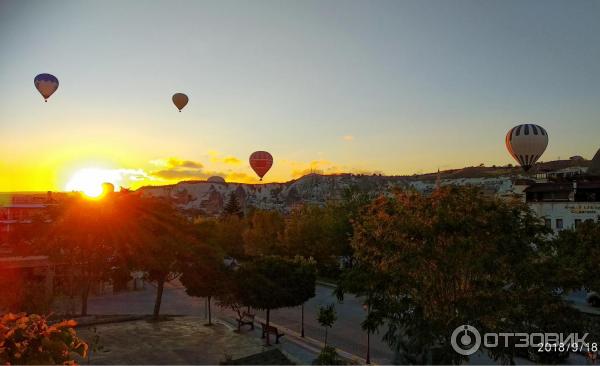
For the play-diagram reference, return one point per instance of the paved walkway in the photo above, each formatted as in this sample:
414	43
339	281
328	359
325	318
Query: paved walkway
180	340
346	333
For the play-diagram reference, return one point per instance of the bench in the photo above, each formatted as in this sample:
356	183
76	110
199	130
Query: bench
272	330
247	319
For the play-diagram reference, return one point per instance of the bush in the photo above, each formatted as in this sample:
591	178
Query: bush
28	339
328	356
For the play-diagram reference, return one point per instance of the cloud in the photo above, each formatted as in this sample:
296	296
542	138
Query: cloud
186	164
175	169
177	163
215	157
348	138
178	169
231	160
175	174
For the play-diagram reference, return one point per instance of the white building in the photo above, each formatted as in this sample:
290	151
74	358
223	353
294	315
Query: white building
564	205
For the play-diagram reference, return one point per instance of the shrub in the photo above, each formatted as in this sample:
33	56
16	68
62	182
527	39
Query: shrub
29	339
328	356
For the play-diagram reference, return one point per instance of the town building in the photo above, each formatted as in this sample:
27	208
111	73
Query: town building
565	200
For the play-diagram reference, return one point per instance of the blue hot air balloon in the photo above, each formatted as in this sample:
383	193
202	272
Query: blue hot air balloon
46	84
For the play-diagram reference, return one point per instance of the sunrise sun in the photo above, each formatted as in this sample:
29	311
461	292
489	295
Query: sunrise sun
89	181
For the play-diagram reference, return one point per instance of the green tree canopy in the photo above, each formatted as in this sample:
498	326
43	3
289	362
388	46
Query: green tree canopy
576	255
263	234
270	282
233	207
452	258
203	275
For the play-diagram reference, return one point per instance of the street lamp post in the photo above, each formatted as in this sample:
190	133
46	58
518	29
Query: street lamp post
302	331
367	308
206	308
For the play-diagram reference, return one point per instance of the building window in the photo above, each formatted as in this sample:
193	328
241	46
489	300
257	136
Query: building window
559	224
577	222
548	223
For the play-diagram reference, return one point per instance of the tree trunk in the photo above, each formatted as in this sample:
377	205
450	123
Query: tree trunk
325	336
209	314
159	292
267	330
368	360
302	332
85	293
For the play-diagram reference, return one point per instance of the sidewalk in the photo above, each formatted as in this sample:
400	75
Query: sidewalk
180	340
176	302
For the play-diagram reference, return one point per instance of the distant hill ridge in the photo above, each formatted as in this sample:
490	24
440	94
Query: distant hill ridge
209	197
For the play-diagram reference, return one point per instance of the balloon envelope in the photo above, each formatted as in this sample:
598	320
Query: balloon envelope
46	84
526	143
180	100
261	162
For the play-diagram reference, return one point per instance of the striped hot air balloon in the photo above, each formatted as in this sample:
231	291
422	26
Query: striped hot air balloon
261	162
526	143
46	84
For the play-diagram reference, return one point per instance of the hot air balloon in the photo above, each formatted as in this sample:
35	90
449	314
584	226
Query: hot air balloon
526	143
261	162
46	84
180	100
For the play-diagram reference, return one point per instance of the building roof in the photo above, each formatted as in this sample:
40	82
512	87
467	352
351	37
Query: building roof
550	187
24	205
561	187
594	168
24	262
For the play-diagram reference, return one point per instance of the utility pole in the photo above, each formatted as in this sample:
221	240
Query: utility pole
302	332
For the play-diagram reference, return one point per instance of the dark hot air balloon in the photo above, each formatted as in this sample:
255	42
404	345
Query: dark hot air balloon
261	162
46	84
180	100
526	143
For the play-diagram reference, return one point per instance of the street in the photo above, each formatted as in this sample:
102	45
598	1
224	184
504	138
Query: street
346	333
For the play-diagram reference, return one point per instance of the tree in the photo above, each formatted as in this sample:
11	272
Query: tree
576	255
233	206
324	233
327	316
165	239
304	284
453	258
264	233
203	276
328	355
85	235
268	283
368	284
22	292
229	235
306	234
230	294
30	340
225	233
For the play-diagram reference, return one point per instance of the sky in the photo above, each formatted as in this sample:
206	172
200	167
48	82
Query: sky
392	87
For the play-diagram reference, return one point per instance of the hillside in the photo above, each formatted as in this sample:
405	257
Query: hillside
209	197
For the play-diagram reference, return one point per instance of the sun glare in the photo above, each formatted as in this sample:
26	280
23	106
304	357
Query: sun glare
89	181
